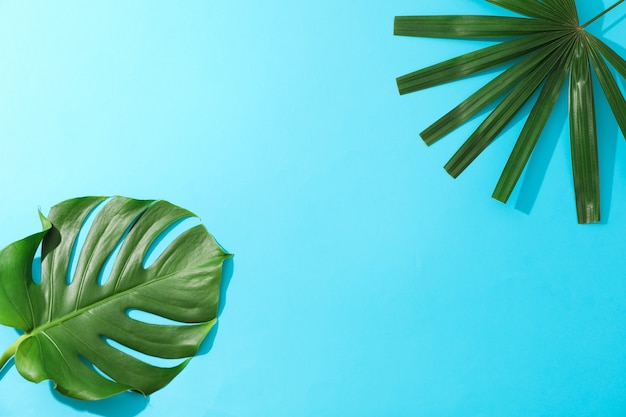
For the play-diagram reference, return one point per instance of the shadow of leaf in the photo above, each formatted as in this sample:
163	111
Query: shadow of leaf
127	404
7	366
539	161
227	273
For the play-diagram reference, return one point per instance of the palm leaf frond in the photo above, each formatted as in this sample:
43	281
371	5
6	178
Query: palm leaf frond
487	94
611	90
565	10
468	27
533	9
501	116
583	137
473	62
528	138
544	46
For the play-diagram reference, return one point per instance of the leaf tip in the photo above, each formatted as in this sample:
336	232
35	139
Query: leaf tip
501	198
45	223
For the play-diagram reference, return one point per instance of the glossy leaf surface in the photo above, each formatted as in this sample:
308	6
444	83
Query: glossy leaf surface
74	317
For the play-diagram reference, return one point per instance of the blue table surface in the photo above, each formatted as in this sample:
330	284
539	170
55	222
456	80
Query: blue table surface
365	281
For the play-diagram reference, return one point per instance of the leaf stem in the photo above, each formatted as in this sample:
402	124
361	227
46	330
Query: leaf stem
602	14
8	354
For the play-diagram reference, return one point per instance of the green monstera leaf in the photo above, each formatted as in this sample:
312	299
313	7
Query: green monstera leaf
68	321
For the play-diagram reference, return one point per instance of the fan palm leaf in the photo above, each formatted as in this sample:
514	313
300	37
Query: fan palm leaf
547	48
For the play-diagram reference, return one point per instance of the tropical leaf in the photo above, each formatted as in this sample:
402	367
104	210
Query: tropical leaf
543	47
71	322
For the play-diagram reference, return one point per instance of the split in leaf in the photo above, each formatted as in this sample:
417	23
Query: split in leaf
69	317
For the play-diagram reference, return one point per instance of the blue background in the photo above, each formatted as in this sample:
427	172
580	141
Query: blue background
366	281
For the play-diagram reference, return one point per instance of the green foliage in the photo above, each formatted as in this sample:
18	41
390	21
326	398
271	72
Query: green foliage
66	321
547	46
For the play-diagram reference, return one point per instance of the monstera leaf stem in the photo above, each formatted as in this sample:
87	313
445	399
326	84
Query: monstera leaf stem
602	14
8	354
